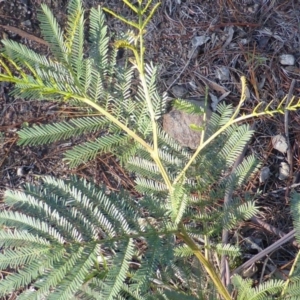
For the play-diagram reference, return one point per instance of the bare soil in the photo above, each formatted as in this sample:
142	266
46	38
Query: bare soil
243	37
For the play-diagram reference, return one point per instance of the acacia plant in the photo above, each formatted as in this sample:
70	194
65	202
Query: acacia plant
69	239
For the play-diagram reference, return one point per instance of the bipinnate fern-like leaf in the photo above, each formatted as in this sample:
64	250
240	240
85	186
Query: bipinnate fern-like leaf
73	239
66	239
21	54
188	107
71	230
99	41
49	133
230	250
96	76
75	37
295	209
53	34
266	290
118	273
292	288
178	202
89	150
237	137
242	173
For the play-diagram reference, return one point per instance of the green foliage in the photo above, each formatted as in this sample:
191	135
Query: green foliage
188	107
276	289
69	239
291	288
264	291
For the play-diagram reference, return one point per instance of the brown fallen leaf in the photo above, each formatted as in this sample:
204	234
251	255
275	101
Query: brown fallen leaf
24	34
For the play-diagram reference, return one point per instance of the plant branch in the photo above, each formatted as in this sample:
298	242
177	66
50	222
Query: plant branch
232	121
153	152
290	275
138	52
206	263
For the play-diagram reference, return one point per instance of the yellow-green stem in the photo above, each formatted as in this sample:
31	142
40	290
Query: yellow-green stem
223	128
242	99
152	152
115	121
140	65
291	273
206	263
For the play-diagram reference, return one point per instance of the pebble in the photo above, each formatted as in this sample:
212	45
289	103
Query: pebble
264	174
279	143
287	59
284	171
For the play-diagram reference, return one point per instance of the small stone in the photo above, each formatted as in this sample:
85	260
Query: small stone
264	174
287	59
284	171
279	143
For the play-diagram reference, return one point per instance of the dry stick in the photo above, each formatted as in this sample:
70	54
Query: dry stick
271	229
286	131
265	252
25	34
286	123
225	273
281	189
